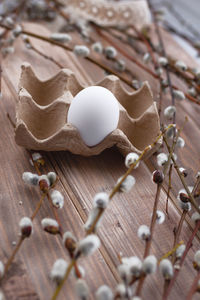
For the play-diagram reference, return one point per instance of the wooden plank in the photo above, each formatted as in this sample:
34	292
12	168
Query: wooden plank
80	178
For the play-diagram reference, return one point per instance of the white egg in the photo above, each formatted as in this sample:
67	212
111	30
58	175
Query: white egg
94	111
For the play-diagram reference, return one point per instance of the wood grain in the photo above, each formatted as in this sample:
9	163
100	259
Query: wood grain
80	179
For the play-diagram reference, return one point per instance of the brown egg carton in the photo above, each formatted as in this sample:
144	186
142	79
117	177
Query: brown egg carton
41	115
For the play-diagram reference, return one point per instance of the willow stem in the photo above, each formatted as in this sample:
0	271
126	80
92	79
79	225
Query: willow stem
193	288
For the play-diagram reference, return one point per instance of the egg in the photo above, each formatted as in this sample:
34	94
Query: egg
94	111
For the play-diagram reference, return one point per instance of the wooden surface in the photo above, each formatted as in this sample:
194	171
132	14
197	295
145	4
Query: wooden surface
80	179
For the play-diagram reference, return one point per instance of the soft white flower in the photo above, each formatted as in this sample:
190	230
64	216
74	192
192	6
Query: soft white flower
92	216
183	171
36	156
195	217
197	258
57	198
2	268
101	200
52	177
60	37
110	52
17	30
81	50
166	268
134	264
192	92
121	290
50	225
180	250
160	217
97	47
88	245
162	158
147	58
185	205
180	142
26	226
181	65
163	61
44	179
150	264
130	159
30	178
82	289
144	232
104	292
127	184
124	272
179	95
58	270
169	112
120	65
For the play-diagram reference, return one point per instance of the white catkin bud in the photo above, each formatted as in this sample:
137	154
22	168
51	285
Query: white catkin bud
97	47
163	61
9	21
60	37
195	217
180	142
160	217
198	174
81	50
159	71
130	159
101	200
104	292
36	156
124	272
150	264
197	258
143	232
180	250
92	216
68	235
110	52
2	268
120	65
186	206
17	30
136	298
44	178
136	84
50	225
169	112
57	199
26	226
146	58
121	290
52	177
135	266
179	95
181	65
192	92
166	268
8	50
183	171
170	132
127	184
58	270
162	158
82	289
30	178
81	270
88	245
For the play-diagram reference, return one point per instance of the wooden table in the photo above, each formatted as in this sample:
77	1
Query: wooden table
80	178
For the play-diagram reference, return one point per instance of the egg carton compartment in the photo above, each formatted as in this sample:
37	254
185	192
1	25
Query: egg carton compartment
41	115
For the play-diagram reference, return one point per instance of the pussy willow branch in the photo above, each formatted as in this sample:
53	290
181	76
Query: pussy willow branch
193	287
21	239
113	192
176	272
192	200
